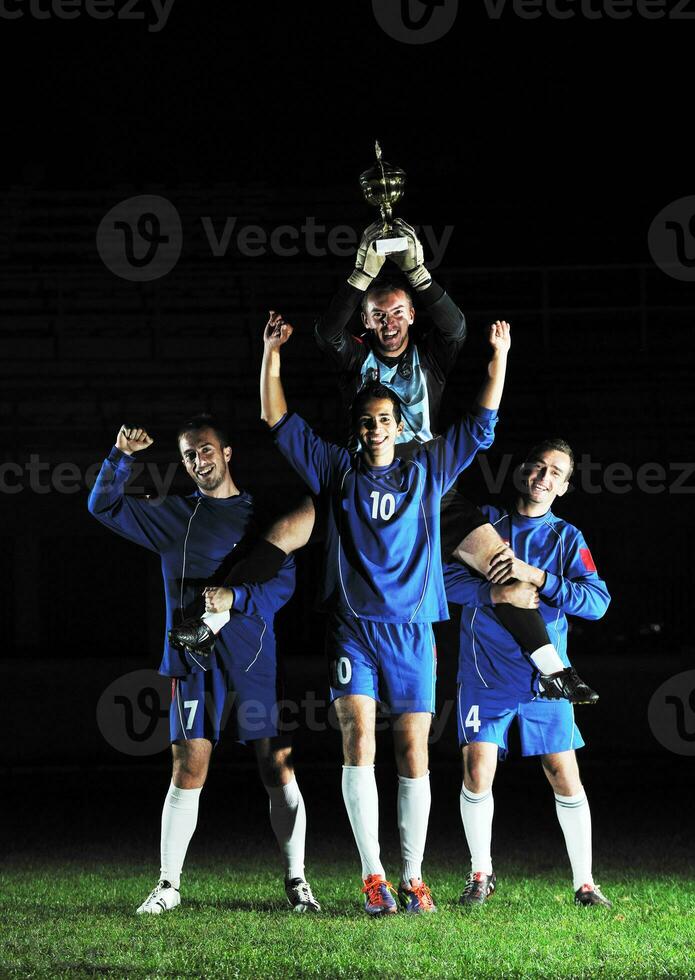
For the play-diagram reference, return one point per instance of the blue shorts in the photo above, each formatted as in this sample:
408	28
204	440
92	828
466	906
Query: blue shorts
203	704
394	663
544	726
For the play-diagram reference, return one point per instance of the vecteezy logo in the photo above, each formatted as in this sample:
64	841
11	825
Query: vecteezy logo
140	239
671	713
415	21
672	239
133	713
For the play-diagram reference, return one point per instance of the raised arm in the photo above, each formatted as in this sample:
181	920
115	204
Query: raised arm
456	448
490	394
331	330
273	403
443	342
141	521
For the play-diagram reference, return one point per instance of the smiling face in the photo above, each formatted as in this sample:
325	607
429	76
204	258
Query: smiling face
205	459
545	477
390	316
377	430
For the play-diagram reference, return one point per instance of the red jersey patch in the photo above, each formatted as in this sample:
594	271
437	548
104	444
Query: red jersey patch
587	560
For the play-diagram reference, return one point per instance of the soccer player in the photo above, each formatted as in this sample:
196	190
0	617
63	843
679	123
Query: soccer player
195	536
416	369
383	586
553	569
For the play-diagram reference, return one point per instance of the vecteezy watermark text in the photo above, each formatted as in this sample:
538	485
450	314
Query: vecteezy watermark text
593	477
310	238
671	713
133	714
424	21
671	239
125	10
592	9
140	239
41	476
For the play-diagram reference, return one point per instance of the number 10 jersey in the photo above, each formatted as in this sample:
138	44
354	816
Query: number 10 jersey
382	547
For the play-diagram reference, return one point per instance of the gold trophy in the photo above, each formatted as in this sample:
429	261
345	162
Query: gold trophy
383	185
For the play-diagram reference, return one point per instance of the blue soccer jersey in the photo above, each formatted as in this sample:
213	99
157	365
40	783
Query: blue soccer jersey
489	657
194	537
382	550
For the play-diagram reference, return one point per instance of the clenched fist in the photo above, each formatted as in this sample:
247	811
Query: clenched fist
131	440
277	331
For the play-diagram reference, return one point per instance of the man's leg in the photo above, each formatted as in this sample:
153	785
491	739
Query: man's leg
356	715
191	759
287	817
477	804
483	720
410	733
574	816
351	646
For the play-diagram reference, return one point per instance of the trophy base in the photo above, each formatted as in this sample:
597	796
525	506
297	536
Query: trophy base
384	246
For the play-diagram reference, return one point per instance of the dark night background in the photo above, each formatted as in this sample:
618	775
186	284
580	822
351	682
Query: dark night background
549	146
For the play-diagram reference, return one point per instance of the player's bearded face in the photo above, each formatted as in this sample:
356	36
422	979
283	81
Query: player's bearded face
547	477
204	458
390	315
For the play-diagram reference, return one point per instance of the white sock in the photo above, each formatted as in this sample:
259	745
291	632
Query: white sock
362	805
547	659
216	620
414	800
575	819
179	819
477	810
288	820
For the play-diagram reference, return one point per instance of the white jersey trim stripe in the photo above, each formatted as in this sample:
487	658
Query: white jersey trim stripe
340	546
178	705
475	653
429	548
260	647
562	566
460	713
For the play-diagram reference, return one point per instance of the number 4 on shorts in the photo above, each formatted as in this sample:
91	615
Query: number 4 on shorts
473	718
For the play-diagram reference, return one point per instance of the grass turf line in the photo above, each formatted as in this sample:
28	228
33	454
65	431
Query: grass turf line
66	919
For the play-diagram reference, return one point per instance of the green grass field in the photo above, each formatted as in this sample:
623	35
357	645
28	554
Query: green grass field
67	919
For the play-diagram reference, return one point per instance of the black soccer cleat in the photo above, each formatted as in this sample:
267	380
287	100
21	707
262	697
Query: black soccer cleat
300	896
478	888
193	635
566	684
591	895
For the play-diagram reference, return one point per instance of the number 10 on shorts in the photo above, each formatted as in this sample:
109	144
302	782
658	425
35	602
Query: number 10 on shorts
343	671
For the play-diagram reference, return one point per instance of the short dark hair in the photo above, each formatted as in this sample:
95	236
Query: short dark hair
557	444
374	389
390	283
203	421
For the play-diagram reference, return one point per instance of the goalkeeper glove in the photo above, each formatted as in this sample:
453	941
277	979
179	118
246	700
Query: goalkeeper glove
368	263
